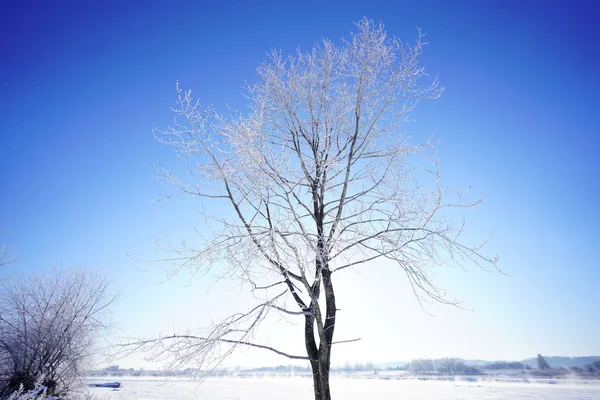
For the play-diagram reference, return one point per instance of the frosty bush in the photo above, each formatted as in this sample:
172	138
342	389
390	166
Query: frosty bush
48	327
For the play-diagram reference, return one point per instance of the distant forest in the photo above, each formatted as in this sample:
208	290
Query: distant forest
538	366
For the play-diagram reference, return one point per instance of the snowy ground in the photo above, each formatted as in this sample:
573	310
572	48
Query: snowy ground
344	388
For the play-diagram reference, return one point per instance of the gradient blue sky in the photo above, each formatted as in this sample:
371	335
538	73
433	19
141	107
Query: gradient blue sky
82	83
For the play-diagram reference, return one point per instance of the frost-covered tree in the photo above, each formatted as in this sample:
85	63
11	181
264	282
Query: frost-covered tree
320	179
48	325
542	363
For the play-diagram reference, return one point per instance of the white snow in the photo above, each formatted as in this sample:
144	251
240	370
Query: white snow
343	388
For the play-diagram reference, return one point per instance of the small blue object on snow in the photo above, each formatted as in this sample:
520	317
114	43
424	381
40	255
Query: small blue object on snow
114	385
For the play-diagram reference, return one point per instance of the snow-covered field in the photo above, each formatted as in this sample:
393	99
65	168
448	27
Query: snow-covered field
291	388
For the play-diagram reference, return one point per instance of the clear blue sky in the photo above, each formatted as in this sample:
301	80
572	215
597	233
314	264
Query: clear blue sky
82	83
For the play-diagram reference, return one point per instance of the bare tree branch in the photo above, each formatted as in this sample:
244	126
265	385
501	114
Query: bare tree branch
177	338
5	257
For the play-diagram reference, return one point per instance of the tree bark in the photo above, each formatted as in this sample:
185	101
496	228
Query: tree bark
320	370
321	357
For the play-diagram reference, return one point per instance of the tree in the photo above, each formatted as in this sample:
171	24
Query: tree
592	367
48	327
5	258
422	366
542	363
320	179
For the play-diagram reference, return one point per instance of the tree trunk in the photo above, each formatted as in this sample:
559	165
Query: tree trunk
324	375
320	361
321	356
320	370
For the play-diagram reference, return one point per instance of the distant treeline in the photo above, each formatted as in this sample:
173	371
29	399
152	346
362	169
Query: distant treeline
445	366
442	366
454	366
501	365
593	368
